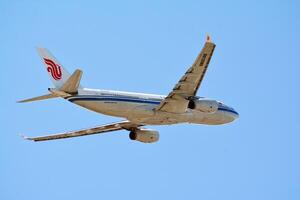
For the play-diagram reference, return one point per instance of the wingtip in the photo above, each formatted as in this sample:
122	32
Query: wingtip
25	137
20	101
208	38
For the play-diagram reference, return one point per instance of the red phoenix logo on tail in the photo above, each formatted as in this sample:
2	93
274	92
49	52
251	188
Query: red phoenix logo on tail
54	69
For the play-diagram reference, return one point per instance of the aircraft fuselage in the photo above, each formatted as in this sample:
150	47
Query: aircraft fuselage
139	108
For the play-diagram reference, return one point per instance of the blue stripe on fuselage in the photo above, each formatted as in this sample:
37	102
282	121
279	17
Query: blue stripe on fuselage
114	99
228	110
130	99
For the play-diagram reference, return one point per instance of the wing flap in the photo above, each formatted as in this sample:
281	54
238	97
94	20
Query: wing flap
90	131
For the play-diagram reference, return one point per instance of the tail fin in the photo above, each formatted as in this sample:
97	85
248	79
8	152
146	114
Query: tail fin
68	88
65	84
58	74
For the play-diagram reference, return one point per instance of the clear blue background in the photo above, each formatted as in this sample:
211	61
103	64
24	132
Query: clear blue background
146	47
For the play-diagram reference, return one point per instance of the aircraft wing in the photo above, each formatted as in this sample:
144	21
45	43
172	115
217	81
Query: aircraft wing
127	125
178	99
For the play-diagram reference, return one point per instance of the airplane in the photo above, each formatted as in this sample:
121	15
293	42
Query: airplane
181	105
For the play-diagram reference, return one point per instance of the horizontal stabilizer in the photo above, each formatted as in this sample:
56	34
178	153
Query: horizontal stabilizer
43	97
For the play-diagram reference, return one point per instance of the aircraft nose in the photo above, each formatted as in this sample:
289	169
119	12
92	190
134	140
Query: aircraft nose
236	114
231	115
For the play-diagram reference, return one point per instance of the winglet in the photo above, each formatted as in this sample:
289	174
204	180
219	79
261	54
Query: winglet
27	138
24	137
208	38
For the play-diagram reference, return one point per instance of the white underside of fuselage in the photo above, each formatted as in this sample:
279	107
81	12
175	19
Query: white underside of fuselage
139	108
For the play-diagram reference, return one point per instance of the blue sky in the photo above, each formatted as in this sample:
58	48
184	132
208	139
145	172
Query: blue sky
145	47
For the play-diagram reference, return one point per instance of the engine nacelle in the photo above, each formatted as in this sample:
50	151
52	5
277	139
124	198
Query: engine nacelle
204	105
144	135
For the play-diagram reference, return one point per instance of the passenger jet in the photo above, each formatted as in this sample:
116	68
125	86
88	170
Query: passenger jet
181	105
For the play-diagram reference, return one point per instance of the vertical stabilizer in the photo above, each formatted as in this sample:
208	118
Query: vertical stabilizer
57	73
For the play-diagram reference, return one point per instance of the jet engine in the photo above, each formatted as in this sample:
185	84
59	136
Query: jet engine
203	105
144	135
